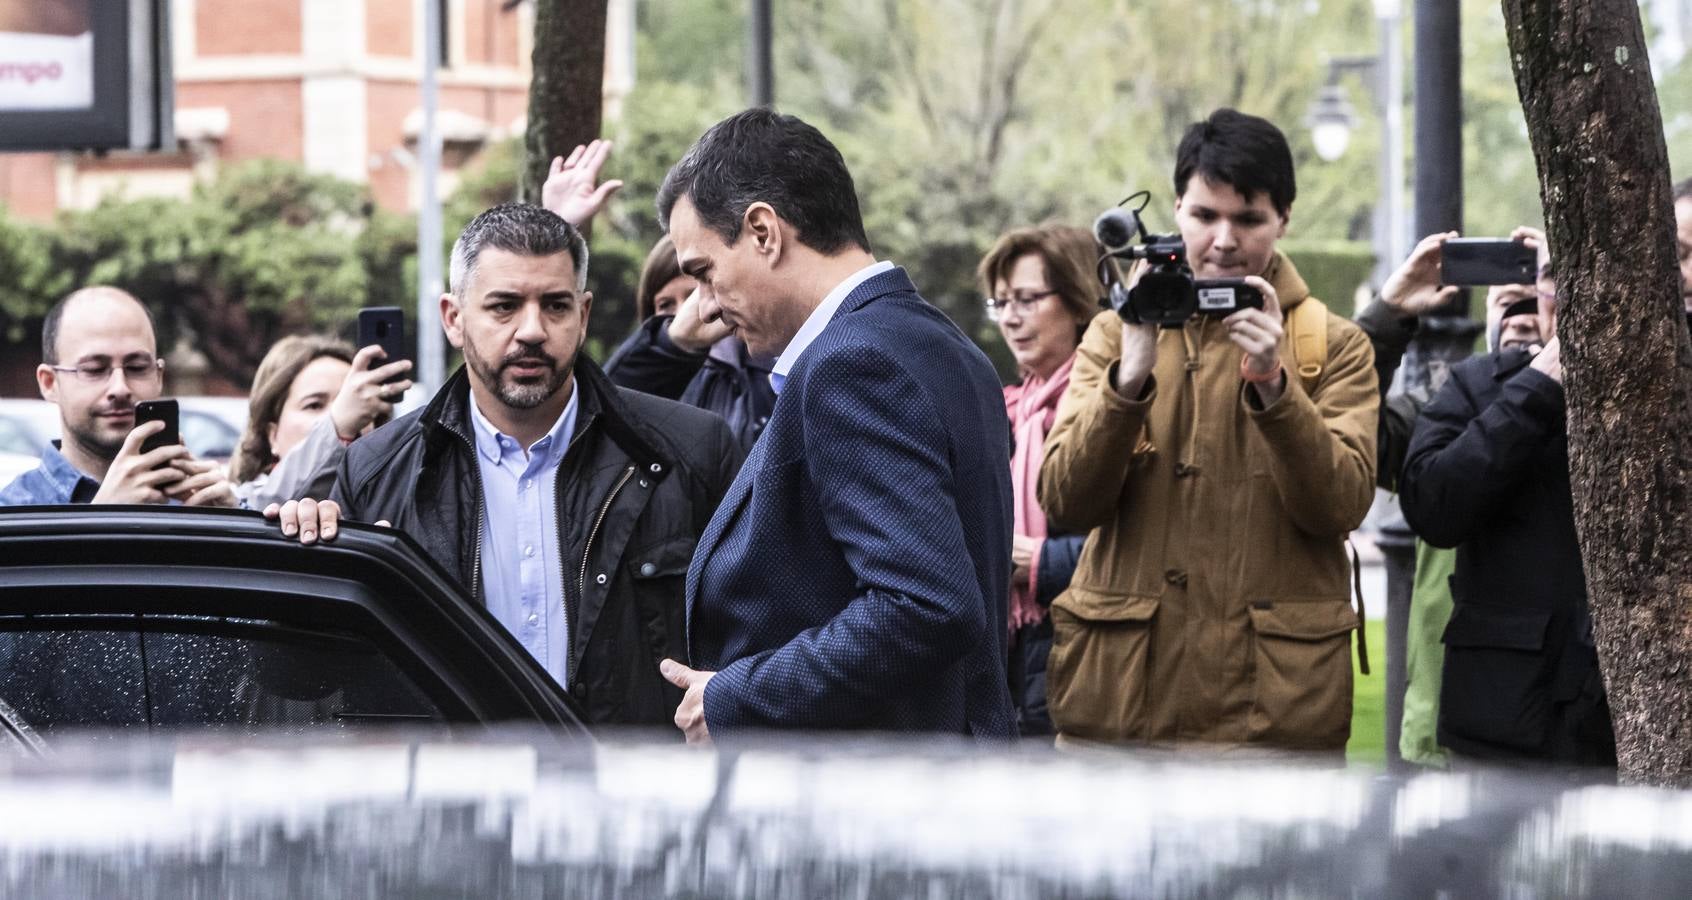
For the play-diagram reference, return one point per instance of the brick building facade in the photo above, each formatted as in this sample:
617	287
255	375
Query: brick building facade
333	84
330	83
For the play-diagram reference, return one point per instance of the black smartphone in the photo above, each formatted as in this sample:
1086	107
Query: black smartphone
159	411
383	326
1487	261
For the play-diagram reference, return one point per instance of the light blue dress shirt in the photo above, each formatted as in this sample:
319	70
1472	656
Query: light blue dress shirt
56	481
522	564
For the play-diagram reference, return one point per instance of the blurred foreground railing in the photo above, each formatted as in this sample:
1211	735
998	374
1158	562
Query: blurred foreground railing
501	815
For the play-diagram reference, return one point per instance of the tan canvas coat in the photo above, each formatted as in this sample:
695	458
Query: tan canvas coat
1212	600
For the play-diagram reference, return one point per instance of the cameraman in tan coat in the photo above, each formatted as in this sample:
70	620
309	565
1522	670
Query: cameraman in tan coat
1220	472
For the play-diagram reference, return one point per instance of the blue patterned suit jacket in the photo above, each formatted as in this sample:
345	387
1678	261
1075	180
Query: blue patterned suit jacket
856	573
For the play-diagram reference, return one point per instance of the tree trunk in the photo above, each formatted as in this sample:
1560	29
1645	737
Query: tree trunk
1593	119
566	91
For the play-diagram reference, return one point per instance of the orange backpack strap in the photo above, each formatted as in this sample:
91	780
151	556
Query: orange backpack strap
1308	324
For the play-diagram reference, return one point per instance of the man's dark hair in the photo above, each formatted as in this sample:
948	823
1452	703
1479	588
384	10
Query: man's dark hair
1683	190
761	155
56	317
519	228
1246	152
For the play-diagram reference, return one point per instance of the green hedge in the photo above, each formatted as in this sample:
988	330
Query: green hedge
1333	269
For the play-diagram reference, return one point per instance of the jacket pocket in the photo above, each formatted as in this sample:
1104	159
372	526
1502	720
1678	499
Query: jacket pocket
1496	689
658	575
1301	686
1097	673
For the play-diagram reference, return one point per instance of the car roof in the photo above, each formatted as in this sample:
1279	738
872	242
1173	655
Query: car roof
232	410
41	415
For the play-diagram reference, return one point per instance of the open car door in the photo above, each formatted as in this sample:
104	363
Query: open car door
157	617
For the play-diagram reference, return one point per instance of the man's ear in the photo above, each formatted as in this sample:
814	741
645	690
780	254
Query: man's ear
47	379
1285	218
587	314
763	227
452	320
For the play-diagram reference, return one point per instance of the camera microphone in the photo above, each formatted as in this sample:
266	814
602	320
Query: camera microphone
1116	228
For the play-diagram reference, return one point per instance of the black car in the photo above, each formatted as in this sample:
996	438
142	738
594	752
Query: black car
148	617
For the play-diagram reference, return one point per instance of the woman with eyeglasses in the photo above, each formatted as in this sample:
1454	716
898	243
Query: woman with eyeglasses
311	397
1041	292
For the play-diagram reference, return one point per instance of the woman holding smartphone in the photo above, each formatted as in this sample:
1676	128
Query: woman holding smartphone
312	397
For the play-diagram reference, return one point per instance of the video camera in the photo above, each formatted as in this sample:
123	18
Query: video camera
1166	294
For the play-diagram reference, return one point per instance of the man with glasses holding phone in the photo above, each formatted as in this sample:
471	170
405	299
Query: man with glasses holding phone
99	359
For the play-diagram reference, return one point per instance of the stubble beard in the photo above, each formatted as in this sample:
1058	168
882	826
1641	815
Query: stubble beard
88	436
513	394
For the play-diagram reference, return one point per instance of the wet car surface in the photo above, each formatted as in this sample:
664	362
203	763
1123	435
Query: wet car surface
503	813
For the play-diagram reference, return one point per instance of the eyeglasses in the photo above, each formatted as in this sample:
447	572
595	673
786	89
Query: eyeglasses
1024	303
96	371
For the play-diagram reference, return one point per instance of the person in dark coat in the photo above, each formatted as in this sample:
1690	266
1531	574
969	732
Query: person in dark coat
856	574
1488	473
567	506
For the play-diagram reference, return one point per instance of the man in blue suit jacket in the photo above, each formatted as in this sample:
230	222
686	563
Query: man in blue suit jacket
855	575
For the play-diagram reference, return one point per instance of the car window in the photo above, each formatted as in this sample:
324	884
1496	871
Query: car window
207	436
183	671
15	438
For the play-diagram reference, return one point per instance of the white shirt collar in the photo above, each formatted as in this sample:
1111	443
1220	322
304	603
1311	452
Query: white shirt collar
813	327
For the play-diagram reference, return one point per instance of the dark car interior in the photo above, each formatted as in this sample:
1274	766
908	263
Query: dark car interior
61	671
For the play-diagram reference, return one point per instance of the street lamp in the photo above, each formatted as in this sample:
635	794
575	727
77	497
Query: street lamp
1331	121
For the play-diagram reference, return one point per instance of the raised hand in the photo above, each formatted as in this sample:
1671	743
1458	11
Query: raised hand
572	189
364	399
1413	289
689	332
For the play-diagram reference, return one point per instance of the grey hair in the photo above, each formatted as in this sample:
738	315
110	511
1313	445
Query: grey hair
519	228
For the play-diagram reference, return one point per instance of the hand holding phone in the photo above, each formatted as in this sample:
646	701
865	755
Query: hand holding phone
384	326
367	396
144	470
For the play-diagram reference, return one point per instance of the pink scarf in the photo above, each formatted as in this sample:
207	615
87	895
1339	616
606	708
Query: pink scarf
1031	406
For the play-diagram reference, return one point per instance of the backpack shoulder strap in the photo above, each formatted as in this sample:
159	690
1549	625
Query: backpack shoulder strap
1308	325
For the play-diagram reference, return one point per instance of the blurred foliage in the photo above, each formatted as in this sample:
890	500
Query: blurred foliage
959	119
1500	180
263	251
